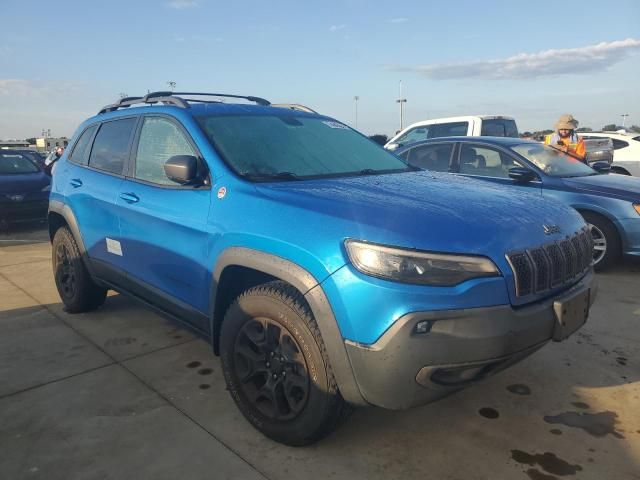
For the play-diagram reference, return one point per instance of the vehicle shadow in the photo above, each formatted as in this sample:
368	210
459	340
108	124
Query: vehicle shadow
24	234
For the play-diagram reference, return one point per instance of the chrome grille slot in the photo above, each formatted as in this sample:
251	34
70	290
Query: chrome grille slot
542	269
523	271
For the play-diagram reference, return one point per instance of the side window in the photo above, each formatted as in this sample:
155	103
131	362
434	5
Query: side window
455	129
82	148
618	144
414	135
431	157
485	162
499	127
160	139
111	146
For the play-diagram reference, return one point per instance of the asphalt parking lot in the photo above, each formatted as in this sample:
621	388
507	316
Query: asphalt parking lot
124	393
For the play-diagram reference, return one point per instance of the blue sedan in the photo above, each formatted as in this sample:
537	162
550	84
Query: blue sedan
609	203
24	189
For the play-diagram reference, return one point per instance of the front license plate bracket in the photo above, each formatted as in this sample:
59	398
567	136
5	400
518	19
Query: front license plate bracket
571	313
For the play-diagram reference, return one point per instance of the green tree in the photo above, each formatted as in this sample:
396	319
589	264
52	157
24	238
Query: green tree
584	129
379	139
635	128
30	140
612	127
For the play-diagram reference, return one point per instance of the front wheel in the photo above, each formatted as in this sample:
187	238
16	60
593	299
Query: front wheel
276	367
606	241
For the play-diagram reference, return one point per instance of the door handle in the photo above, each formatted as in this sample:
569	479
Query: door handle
130	197
76	182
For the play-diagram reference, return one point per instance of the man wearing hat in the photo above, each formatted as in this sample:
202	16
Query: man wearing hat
565	138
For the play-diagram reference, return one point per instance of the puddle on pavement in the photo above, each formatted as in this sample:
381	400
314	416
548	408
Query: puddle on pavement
597	424
204	386
582	405
519	389
556	431
549	462
621	361
193	364
488	412
205	371
118	342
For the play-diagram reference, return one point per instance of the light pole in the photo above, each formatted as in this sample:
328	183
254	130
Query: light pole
356	98
401	101
624	118
172	85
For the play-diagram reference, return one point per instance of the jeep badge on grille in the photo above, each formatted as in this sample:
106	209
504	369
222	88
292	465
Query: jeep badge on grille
549	229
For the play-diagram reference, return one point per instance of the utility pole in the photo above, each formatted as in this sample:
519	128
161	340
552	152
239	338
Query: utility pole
401	101
624	118
172	85
356	98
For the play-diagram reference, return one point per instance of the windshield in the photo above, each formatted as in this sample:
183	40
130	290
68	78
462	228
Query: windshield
267	147
14	163
553	162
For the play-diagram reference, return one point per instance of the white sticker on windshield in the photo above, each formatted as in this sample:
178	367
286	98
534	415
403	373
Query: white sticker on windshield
113	246
335	125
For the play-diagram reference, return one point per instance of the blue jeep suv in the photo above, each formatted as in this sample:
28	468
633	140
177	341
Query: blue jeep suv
325	271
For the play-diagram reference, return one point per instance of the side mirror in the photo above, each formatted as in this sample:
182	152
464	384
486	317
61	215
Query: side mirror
601	167
392	146
182	169
521	174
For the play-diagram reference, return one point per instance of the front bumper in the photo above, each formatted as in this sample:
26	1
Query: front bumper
404	369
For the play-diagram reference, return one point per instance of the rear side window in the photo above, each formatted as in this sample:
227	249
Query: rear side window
499	127
160	139
82	149
455	129
111	146
414	135
618	144
430	157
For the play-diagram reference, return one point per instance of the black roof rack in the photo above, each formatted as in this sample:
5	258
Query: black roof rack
173	98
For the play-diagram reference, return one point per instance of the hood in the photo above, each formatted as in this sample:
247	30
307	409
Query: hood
613	185
24	183
427	211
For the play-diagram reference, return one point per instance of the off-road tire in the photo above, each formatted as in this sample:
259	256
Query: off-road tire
78	291
613	245
279	305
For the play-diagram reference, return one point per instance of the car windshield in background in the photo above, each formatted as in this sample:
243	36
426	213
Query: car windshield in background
499	127
268	147
12	164
553	162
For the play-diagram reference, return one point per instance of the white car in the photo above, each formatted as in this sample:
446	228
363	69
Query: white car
468	126
626	150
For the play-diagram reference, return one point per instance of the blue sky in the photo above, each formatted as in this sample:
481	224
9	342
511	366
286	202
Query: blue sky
60	62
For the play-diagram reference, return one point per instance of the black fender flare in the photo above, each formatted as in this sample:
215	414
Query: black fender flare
313	293
62	209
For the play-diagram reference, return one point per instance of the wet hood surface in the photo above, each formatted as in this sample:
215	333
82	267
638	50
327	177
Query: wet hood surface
429	211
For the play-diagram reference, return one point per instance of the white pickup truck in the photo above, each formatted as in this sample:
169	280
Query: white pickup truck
473	126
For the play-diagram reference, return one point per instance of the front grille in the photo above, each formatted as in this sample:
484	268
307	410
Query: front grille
537	270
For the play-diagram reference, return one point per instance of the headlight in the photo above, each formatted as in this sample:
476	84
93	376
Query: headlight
637	207
46	189
411	266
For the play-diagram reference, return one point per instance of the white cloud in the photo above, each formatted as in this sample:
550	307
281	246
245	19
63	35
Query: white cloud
589	59
335	28
180	4
399	20
17	87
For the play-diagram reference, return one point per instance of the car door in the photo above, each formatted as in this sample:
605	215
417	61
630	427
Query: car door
489	163
93	175
164	224
435	157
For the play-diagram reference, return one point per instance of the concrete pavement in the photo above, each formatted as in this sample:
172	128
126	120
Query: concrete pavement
124	393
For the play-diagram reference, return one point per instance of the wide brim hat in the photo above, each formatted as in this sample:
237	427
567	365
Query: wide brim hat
566	122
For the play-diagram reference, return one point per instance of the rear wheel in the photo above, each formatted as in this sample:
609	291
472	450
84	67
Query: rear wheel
78	291
276	366
606	241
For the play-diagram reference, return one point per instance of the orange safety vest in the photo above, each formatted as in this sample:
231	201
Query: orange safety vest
575	144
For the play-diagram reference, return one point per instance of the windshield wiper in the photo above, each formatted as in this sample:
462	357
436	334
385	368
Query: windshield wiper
367	171
268	176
